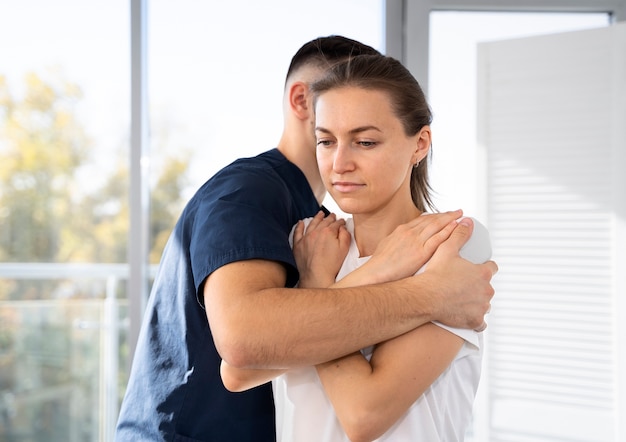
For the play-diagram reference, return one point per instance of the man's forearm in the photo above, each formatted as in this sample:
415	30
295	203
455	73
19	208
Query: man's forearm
257	325
282	328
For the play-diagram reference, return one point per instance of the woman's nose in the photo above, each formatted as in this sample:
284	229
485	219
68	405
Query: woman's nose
343	161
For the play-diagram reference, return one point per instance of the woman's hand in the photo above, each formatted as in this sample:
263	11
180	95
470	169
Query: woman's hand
410	246
320	249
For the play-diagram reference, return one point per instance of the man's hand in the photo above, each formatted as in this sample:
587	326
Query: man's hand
465	288
410	246
320	249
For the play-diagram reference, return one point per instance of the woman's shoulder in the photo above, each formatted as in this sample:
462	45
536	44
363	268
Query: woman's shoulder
478	248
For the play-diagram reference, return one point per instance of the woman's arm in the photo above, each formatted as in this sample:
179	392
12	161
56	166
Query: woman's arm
369	397
321	246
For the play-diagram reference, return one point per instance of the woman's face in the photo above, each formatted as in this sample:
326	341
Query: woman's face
364	156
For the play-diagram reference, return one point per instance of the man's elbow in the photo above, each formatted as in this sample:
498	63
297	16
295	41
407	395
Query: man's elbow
235	344
236	352
231	381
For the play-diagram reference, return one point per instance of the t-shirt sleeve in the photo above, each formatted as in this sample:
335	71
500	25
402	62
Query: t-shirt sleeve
469	336
245	215
477	250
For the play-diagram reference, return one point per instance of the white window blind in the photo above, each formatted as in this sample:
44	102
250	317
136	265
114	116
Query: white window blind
551	115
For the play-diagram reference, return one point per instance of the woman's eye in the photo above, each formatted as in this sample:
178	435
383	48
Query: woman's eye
323	142
367	143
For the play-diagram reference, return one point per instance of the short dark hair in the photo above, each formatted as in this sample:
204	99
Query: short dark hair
323	52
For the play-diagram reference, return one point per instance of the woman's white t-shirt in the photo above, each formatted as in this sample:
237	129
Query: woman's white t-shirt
442	413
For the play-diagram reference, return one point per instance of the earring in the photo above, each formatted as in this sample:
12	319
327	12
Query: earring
417	163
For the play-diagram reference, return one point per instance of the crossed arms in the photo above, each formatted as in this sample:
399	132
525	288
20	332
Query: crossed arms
257	323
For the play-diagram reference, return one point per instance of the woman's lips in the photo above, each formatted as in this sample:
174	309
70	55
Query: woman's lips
346	186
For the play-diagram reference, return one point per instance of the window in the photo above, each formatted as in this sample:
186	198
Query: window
215	85
217	74
64	122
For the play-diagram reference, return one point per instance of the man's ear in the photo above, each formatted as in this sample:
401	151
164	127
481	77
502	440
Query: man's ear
299	99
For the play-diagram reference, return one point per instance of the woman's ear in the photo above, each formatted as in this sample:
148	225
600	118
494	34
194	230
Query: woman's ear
299	100
423	143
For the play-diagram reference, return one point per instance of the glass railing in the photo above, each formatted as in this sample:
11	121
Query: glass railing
64	352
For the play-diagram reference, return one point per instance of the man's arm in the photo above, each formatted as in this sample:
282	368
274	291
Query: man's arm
242	379
256	323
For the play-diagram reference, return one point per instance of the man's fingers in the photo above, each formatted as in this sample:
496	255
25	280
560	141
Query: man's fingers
493	267
481	328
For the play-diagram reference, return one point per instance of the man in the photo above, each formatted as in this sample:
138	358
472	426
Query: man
221	288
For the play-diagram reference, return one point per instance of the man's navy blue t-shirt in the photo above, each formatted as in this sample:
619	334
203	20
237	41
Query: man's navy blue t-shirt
175	393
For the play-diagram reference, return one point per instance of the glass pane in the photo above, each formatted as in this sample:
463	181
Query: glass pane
64	121
216	77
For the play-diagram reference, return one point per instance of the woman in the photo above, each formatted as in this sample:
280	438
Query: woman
373	139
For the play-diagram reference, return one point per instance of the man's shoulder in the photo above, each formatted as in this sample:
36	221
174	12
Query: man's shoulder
267	167
270	159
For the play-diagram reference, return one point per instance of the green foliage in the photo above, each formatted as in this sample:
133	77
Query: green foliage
45	213
42	146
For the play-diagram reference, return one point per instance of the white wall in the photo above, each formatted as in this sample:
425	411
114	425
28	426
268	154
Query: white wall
551	127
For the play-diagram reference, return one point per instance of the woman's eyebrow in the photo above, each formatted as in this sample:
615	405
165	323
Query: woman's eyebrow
352	131
364	128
